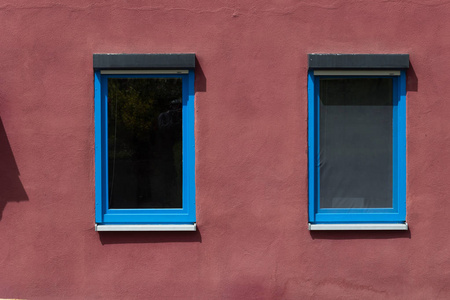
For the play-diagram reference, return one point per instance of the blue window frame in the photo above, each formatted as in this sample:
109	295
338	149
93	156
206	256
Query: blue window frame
353	210
105	73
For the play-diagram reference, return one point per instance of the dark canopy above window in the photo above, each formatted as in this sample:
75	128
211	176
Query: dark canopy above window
144	61
358	61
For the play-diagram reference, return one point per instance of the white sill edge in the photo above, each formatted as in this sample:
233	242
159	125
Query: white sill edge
393	226
147	227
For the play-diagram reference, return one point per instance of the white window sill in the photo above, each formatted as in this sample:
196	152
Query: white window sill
393	226
147	227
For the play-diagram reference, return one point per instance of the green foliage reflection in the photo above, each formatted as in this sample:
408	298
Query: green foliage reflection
144	142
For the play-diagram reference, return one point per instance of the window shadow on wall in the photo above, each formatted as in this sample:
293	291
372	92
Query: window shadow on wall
200	79
11	188
360	234
412	83
118	237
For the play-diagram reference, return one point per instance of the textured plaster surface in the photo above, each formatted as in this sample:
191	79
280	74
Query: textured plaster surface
251	159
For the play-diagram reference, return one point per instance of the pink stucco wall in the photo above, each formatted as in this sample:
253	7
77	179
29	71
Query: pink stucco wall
251	160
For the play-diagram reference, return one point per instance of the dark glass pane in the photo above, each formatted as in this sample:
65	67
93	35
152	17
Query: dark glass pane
144	143
355	156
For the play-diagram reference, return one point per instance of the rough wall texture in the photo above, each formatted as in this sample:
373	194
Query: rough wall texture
251	160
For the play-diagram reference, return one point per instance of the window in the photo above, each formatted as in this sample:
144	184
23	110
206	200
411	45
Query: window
357	142
144	142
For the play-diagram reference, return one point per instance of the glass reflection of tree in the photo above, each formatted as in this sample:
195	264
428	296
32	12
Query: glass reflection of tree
144	137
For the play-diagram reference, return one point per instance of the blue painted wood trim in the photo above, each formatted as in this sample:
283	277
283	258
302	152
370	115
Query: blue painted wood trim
104	215
104	144
98	147
130	218
370	215
357	218
317	143
401	133
395	141
190	146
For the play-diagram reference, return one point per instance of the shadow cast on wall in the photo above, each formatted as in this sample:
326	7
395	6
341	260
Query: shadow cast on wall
412	83
360	234
11	188
149	237
200	78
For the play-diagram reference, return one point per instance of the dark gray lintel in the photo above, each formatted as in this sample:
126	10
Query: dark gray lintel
144	61
358	61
